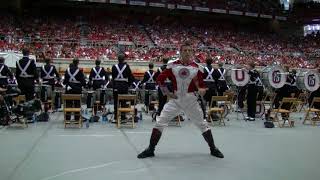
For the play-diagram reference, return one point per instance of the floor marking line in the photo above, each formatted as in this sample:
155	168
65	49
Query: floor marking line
80	170
30	151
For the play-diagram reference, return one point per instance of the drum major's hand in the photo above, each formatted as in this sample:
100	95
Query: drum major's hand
172	95
202	91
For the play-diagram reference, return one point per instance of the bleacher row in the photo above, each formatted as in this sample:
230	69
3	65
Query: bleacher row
93	38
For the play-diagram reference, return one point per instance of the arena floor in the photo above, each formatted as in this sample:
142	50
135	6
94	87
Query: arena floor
47	151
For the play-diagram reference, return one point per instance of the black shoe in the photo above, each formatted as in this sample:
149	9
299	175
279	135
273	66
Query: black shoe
146	153
215	152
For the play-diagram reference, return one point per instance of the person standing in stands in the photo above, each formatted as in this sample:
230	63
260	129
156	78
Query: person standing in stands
49	73
5	74
26	74
98	76
149	80
122	78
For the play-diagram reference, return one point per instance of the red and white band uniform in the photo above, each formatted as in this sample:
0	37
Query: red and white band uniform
186	80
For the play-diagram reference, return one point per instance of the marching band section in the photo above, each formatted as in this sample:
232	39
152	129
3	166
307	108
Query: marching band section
270	93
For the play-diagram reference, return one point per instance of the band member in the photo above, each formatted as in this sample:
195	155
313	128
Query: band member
260	89
150	84
74	78
74	81
210	83
186	79
108	78
26	74
315	93
252	92
49	73
122	78
242	91
284	91
163	98
134	89
136	84
12	81
5	74
293	84
98	76
220	80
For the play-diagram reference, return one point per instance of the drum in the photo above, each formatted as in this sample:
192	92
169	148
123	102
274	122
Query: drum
308	80
273	77
45	92
237	76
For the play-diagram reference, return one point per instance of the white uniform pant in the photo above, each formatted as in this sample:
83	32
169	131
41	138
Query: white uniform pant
189	105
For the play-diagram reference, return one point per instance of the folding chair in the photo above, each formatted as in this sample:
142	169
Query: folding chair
230	100
20	99
271	96
316	112
285	113
124	109
69	110
214	108
302	101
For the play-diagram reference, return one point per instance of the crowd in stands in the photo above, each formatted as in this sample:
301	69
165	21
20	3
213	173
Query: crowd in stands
92	39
